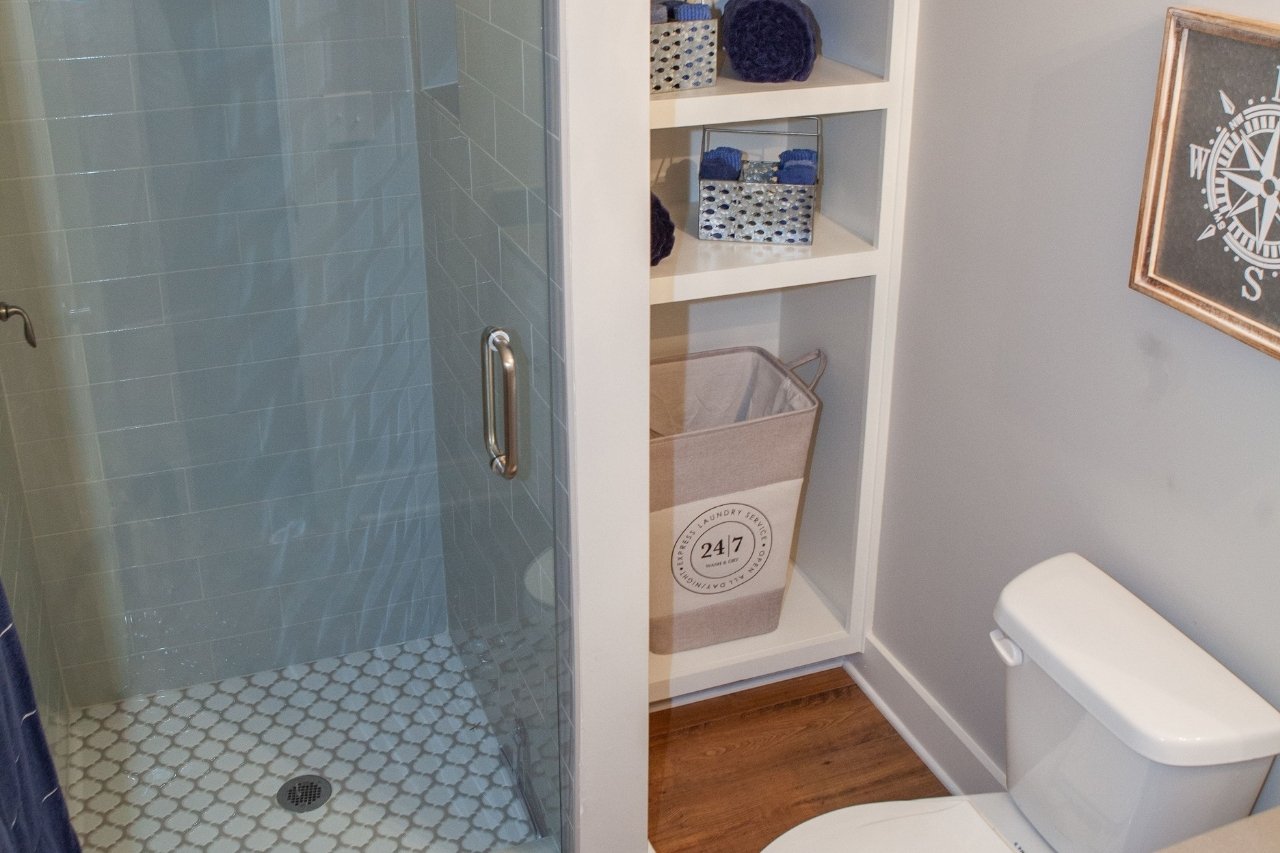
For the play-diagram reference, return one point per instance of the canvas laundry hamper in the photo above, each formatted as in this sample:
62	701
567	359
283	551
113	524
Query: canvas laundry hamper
730	432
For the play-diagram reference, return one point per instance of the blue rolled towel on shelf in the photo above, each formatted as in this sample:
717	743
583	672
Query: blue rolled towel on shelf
770	41
720	164
662	231
798	173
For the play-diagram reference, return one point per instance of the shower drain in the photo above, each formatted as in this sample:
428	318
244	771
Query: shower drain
304	793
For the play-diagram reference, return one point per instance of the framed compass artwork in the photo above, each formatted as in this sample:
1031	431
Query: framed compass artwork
1209	226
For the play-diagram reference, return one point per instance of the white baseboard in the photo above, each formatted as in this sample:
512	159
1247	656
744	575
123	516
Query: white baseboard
942	744
745	684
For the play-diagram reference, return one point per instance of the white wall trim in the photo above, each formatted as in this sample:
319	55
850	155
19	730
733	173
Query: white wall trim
893	218
745	684
940	741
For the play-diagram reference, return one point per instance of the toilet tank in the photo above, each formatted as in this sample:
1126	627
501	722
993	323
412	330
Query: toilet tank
1122	734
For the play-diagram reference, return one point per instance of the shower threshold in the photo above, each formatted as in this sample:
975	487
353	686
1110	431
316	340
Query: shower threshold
396	731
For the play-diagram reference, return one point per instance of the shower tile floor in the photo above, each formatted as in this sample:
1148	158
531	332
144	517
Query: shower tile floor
398	731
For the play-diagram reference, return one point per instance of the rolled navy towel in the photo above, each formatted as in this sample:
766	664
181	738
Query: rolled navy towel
770	41
662	231
720	164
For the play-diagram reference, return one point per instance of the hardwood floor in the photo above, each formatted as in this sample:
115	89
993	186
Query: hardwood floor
728	775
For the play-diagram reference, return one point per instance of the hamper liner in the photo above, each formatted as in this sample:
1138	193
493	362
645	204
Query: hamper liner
730	432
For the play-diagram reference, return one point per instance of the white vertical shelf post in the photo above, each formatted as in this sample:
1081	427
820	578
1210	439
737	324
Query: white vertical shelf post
897	142
604	183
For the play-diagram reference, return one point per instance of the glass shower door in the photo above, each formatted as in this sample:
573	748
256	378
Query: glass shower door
260	246
487	203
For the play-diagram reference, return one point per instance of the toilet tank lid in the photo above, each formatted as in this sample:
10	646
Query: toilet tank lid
1142	678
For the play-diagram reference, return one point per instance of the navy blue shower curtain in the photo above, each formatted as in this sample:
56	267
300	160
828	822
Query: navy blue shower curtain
33	814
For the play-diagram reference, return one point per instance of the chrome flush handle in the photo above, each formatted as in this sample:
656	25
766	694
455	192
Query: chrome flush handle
28	330
503	461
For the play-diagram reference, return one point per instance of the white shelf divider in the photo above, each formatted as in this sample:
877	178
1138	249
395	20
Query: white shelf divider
701	269
831	88
807	633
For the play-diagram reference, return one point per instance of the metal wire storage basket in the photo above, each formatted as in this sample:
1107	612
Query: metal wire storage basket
756	211
682	55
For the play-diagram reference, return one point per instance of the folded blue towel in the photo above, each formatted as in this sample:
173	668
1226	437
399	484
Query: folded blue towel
659	14
798	155
693	12
770	41
720	164
805	174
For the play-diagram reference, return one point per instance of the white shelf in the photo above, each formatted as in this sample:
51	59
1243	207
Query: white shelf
699	269
807	633
831	88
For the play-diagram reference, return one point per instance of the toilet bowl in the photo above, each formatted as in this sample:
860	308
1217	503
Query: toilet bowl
984	823
1122	736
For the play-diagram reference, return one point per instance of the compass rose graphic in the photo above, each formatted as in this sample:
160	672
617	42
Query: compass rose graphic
1240	170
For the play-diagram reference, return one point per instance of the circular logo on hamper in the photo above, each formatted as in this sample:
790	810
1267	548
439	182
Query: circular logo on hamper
722	549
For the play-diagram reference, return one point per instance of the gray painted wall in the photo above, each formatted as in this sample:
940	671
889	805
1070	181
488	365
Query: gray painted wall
1039	405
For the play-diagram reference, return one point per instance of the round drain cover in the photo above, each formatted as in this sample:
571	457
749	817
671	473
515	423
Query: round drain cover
304	793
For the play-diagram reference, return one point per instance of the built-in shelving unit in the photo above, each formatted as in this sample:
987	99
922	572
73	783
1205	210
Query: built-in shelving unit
839	294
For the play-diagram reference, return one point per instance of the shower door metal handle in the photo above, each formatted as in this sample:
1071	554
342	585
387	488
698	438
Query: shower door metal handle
28	329
503	461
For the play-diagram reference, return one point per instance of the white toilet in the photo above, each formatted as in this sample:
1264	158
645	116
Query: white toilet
1122	736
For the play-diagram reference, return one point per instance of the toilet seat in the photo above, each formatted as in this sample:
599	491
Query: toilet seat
954	824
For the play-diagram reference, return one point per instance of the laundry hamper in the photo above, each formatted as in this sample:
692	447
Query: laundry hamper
730	432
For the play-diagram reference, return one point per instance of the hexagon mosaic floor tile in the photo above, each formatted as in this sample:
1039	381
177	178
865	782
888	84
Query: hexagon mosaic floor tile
397	731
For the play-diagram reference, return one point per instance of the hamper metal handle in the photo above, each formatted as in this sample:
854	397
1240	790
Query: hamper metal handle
815	135
818	356
503	462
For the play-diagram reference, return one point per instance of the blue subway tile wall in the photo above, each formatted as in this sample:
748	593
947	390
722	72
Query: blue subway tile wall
227	440
486	188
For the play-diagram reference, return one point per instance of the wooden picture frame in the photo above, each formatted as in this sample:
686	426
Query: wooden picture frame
1208	239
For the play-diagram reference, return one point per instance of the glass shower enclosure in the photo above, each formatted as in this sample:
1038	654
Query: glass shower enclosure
283	564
